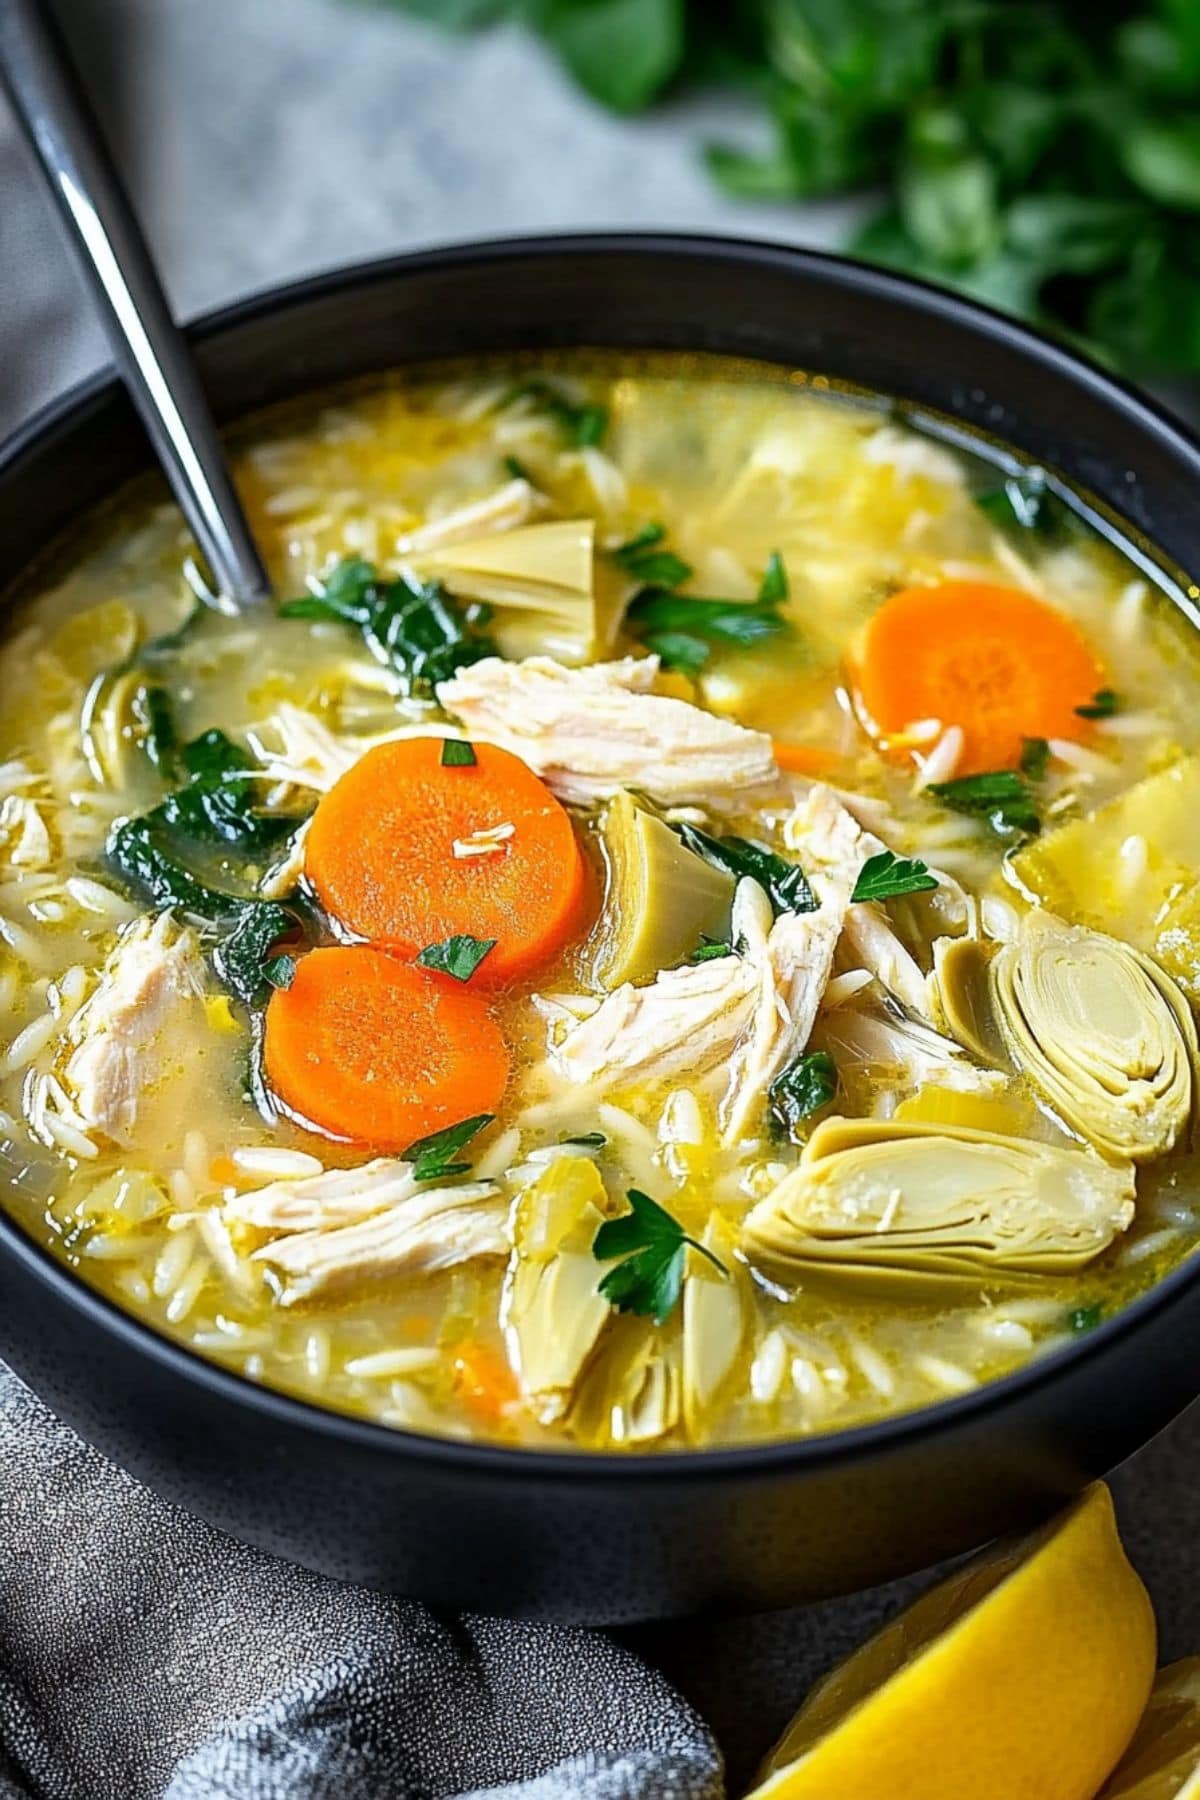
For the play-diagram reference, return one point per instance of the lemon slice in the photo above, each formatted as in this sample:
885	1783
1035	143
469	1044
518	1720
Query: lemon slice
1023	1675
1163	1761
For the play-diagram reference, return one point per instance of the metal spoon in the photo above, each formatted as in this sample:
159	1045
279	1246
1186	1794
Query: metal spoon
147	346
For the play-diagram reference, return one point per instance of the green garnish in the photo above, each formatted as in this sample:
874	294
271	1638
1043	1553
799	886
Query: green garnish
280	972
785	883
431	1156
1103	705
710	949
590	1140
458	754
219	801
1035	754
155	719
516	468
807	1084
1085	1318
581	425
412	627
641	558
1002	797
774	584
654	1247
459	956
885	876
1024	501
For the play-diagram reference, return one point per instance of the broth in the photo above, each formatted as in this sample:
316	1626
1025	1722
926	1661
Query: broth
140	1122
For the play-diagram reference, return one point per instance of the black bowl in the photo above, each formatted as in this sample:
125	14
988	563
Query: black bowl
561	1534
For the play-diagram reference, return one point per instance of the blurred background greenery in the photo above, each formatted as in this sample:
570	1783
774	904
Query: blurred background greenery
1042	155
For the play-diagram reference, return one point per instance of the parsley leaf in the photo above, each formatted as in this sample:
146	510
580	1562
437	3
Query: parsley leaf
412	627
458	754
581	425
654	1247
808	1083
885	876
641	558
459	956
785	883
431	1156
1102	705
1001	796
1035	754
774	584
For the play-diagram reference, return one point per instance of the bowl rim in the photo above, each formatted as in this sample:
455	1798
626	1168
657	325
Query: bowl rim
768	1458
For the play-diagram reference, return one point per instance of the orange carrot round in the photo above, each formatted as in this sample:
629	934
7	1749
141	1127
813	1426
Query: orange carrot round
407	851
992	660
381	1053
804	759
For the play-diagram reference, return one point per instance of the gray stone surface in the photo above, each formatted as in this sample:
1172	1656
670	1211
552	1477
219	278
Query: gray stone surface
269	138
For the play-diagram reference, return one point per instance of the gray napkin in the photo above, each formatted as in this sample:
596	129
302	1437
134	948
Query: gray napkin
146	1656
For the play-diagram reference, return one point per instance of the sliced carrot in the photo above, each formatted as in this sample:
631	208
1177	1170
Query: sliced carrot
484	1379
381	855
376	1051
994	661
804	759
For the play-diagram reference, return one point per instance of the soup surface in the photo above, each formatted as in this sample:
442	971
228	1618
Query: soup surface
681	928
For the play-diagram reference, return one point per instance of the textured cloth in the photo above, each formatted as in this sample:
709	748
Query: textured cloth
143	1653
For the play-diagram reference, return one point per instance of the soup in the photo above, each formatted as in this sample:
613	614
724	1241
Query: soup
679	929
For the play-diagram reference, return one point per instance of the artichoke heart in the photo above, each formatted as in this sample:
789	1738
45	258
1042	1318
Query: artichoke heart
1101	1032
717	1314
873	1196
630	1393
661	899
553	1313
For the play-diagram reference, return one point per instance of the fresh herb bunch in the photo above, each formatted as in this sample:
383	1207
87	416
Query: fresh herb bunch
1043	155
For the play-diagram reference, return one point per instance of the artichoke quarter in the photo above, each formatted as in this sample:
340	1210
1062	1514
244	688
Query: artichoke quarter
1100	1031
876	1197
553	1313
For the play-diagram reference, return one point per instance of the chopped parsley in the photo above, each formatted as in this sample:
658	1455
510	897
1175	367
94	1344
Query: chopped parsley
1025	501
589	1140
642	557
432	1157
1035	754
581	424
458	754
459	956
1085	1318
1001	796
774	584
807	1084
885	876
654	1247
785	883
1102	705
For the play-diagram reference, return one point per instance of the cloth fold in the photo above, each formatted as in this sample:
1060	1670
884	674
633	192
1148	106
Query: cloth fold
144	1655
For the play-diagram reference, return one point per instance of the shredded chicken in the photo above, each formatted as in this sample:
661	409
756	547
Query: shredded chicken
432	1229
299	752
148	997
319	1202
509	506
591	732
24	838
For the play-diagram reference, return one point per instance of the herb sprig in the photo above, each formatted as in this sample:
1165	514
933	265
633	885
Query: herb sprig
654	1248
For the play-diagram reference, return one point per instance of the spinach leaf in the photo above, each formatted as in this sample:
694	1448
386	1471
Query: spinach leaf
785	883
682	629
219	802
654	1247
808	1083
414	628
1000	796
642	558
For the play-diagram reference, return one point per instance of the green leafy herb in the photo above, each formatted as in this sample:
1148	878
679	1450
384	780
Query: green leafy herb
1035	754
1103	705
807	1084
432	1157
589	1140
654	1247
642	558
516	468
785	883
710	949
412	627
1001	796
245	960
155	719
458	754
219	802
886	876
459	956
1085	1318
581	425
1024	501
774	584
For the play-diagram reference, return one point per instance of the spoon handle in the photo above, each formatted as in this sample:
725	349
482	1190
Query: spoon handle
146	344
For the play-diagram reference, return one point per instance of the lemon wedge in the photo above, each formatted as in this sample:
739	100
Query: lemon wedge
1023	1674
1163	1761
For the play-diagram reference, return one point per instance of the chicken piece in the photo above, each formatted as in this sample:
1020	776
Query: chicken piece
509	506
24	838
134	1030
591	732
793	958
430	1230
318	1202
299	752
683	1022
